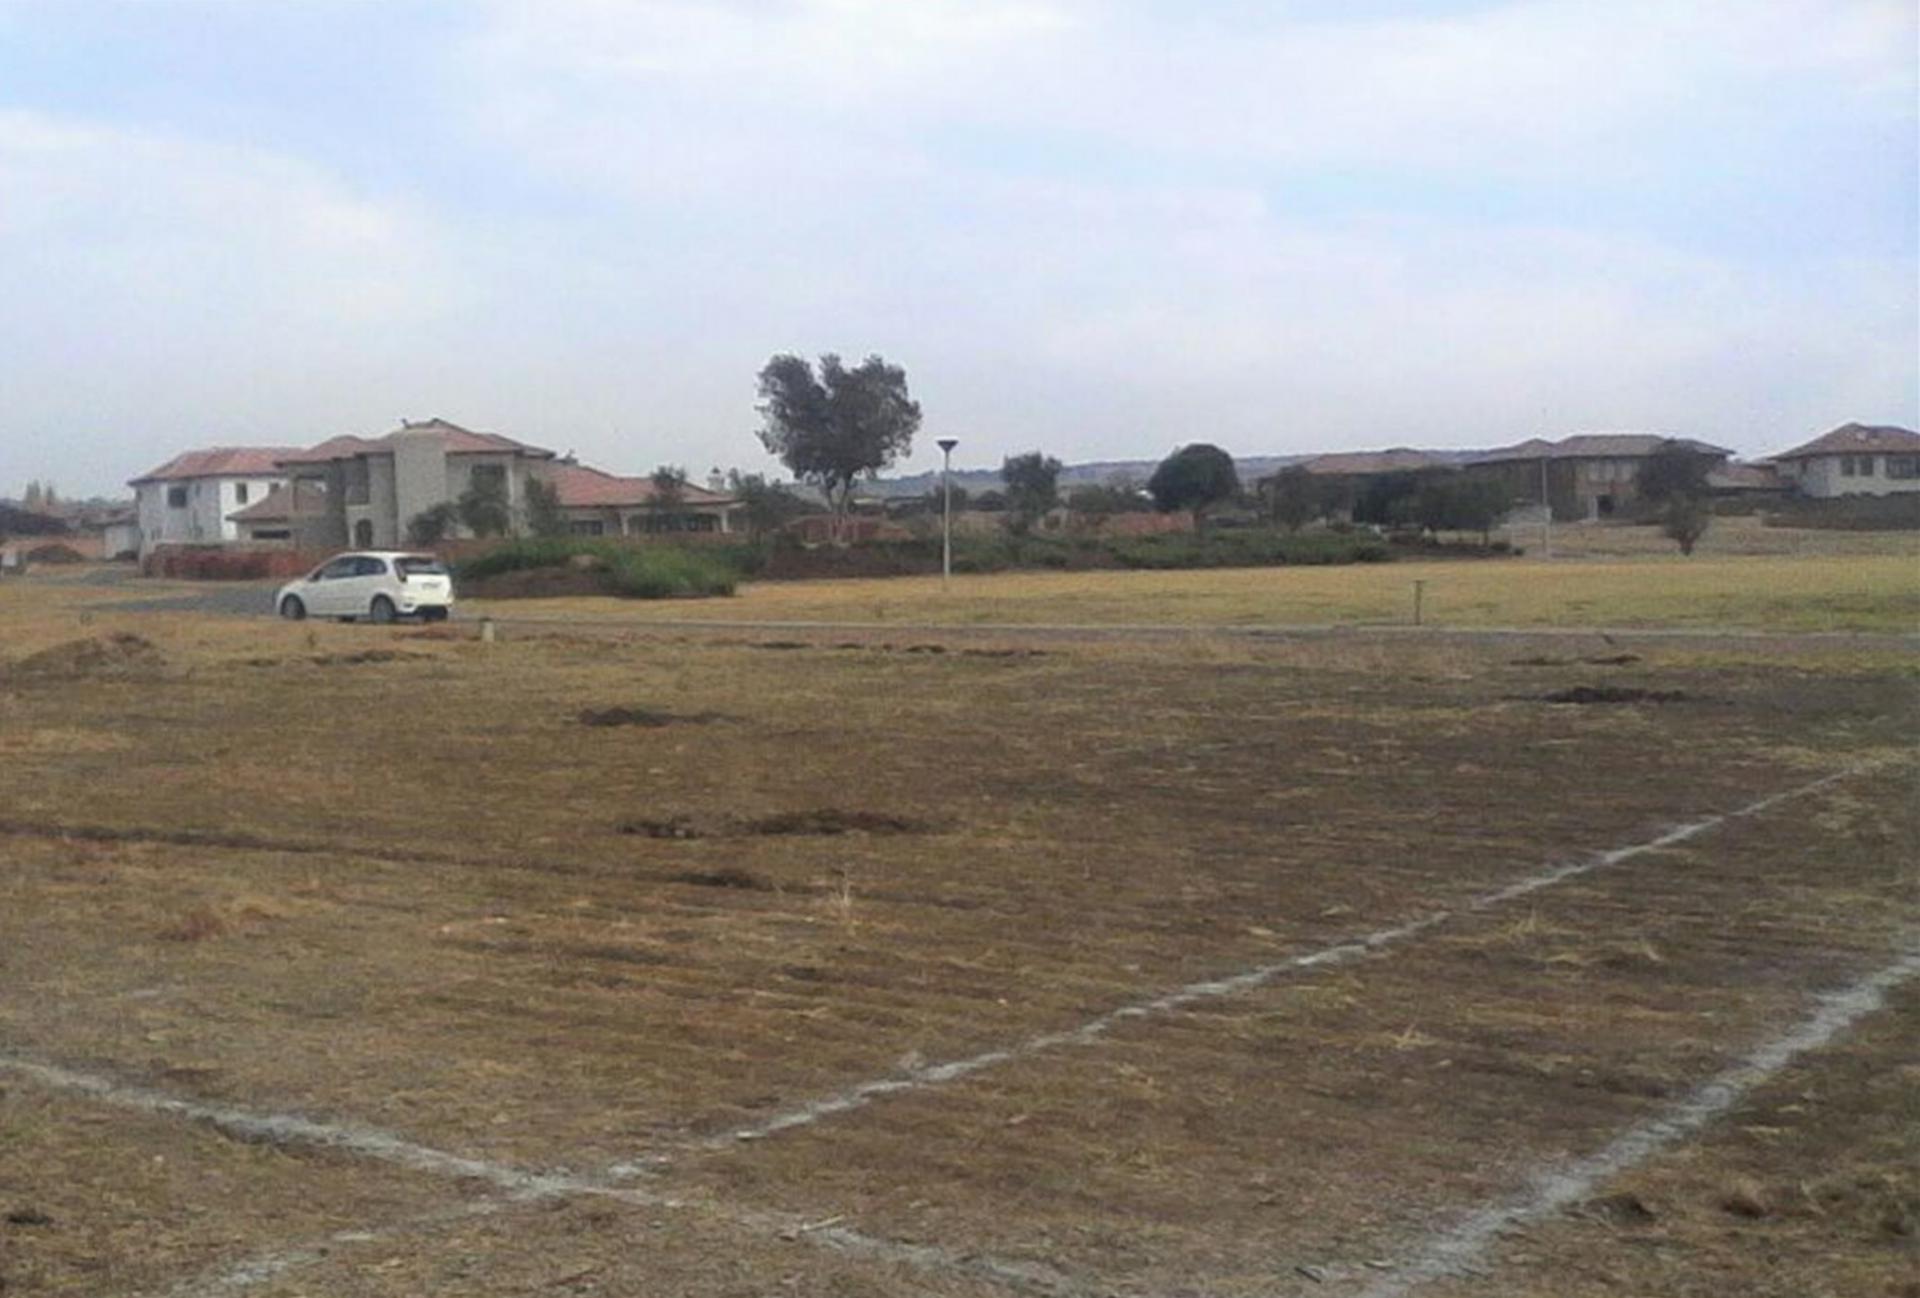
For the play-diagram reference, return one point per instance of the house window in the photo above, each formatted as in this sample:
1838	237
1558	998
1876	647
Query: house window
587	527
176	497
1865	466
1846	466
1903	466
488	478
239	493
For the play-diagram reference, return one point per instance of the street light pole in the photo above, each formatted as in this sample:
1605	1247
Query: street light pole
946	445
1546	515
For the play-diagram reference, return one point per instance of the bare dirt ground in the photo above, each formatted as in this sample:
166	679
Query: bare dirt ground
739	964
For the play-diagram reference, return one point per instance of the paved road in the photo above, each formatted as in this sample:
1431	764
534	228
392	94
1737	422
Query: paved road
232	598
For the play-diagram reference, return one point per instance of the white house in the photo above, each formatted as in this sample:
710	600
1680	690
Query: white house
363	492
1854	460
186	500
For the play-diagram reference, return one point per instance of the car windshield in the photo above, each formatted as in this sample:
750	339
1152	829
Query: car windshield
419	565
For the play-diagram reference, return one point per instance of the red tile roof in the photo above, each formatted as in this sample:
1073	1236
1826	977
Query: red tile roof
583	488
280	504
1399	459
1595	446
219	462
1852	439
458	440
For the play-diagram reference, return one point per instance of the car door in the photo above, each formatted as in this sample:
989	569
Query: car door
328	591
369	579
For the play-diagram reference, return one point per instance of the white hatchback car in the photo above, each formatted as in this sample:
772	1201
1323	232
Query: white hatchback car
379	585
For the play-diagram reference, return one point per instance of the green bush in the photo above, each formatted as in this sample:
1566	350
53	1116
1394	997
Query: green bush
1251	548
1899	513
635	571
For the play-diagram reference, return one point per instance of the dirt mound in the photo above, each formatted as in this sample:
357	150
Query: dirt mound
122	654
822	822
647	718
661	827
345	660
730	877
1602	660
830	821
1592	694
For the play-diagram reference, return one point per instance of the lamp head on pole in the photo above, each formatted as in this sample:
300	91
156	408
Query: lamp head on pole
946	444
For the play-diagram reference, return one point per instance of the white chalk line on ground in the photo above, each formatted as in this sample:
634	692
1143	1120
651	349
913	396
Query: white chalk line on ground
928	1076
518	1185
521	1186
1453	1251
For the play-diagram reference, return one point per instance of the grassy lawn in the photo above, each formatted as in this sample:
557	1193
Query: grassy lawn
1871	592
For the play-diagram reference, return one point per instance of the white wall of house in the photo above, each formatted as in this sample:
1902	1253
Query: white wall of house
193	511
1853	475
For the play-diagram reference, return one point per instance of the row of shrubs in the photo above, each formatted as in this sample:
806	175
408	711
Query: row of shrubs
1898	513
634	571
1243	548
656	571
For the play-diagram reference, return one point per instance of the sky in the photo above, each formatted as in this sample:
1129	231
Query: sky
1101	228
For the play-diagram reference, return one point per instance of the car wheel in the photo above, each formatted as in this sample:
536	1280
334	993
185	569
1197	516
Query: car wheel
292	609
381	610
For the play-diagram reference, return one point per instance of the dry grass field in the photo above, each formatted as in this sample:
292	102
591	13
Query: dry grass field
1750	577
342	960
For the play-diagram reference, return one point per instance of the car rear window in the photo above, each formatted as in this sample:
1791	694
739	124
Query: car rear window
419	565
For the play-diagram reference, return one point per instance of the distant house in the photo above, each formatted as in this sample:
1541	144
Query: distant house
597	503
1745	480
367	490
186	500
1854	460
287	512
1586	476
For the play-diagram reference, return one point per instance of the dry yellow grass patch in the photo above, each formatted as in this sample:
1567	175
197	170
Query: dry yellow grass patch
1876	592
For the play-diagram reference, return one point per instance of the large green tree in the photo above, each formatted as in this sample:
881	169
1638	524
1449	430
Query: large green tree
1033	487
1195	477
1294	497
838	426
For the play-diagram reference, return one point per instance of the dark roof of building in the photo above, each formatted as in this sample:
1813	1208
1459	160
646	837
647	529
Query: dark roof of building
583	488
219	462
1744	477
458	441
1595	446
1398	460
282	504
1853	439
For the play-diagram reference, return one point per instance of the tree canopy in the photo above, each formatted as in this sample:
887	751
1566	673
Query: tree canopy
1674	477
836	427
483	509
544	517
1674	469
1195	477
1294	497
764	506
1033	487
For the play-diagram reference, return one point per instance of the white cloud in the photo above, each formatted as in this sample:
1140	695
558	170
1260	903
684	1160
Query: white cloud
171	289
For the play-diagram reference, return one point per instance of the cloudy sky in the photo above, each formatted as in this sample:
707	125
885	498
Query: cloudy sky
1099	227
